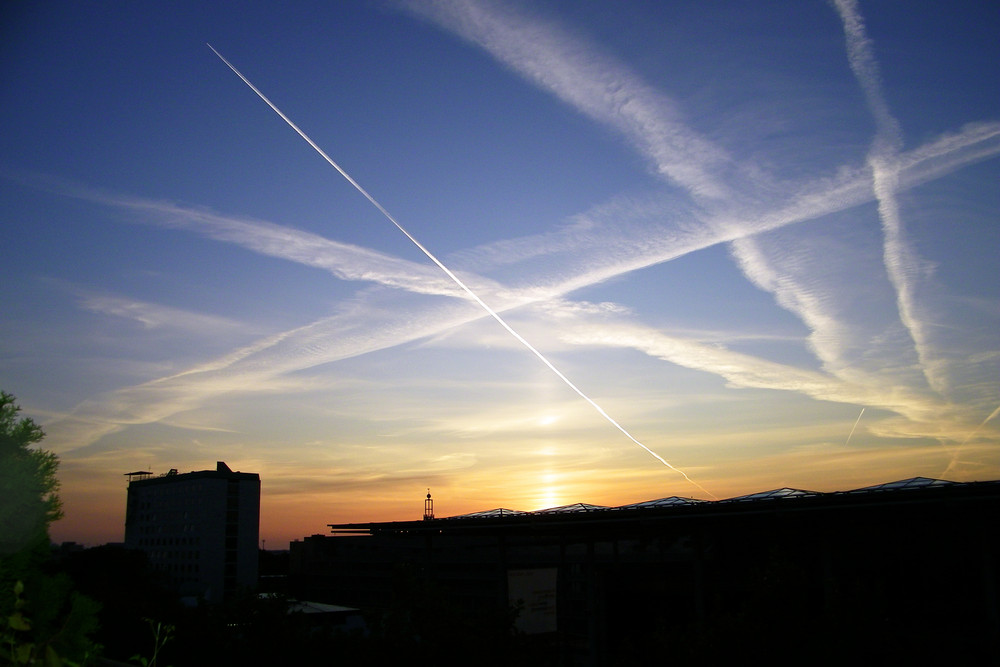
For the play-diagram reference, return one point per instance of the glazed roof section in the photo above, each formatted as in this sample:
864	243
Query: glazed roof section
575	507
664	502
498	512
912	483
773	495
776	493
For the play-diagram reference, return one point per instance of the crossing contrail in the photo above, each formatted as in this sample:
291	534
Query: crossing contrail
456	279
958	450
993	415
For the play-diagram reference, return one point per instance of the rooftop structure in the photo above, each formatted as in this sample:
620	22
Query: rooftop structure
672	502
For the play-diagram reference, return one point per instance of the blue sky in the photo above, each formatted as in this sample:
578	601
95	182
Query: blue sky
762	237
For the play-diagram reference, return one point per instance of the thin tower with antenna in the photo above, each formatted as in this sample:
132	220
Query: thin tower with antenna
428	507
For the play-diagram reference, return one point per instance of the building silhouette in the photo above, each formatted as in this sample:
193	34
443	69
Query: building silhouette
897	571
200	529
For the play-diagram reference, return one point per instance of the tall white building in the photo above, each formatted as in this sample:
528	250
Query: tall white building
200	529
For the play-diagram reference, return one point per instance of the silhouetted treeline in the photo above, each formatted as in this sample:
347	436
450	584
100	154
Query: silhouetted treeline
420	627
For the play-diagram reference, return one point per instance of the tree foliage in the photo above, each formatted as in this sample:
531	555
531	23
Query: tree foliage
28	483
46	621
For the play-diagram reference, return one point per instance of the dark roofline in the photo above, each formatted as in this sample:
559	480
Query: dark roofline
631	514
222	471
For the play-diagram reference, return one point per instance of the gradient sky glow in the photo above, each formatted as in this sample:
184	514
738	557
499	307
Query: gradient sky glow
734	226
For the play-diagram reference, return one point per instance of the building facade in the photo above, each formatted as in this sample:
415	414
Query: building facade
835	578
200	529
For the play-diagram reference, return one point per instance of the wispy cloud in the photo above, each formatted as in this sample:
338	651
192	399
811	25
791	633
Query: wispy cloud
342	260
364	326
605	242
957	453
157	316
798	273
749	371
632	233
591	82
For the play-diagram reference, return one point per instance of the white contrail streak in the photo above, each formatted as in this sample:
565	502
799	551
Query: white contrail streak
956	455
856	421
985	421
902	263
451	275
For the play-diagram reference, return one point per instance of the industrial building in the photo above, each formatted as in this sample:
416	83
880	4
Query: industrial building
200	529
902	570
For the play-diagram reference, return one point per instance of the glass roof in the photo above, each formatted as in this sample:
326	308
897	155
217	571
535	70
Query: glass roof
503	511
500	511
575	507
664	502
775	493
912	483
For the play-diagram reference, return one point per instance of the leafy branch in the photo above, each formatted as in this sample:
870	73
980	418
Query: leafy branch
162	633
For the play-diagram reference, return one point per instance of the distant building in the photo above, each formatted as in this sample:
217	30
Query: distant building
199	528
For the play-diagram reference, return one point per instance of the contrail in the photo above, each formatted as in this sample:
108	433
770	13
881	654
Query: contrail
854	427
985	421
455	278
958	450
902	263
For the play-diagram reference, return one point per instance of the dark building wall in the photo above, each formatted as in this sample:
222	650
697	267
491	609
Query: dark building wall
199	528
245	528
829	579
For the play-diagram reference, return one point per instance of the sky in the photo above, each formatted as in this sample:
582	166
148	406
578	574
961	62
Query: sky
727	247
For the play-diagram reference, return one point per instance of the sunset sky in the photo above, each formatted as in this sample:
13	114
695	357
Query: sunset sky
764	238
